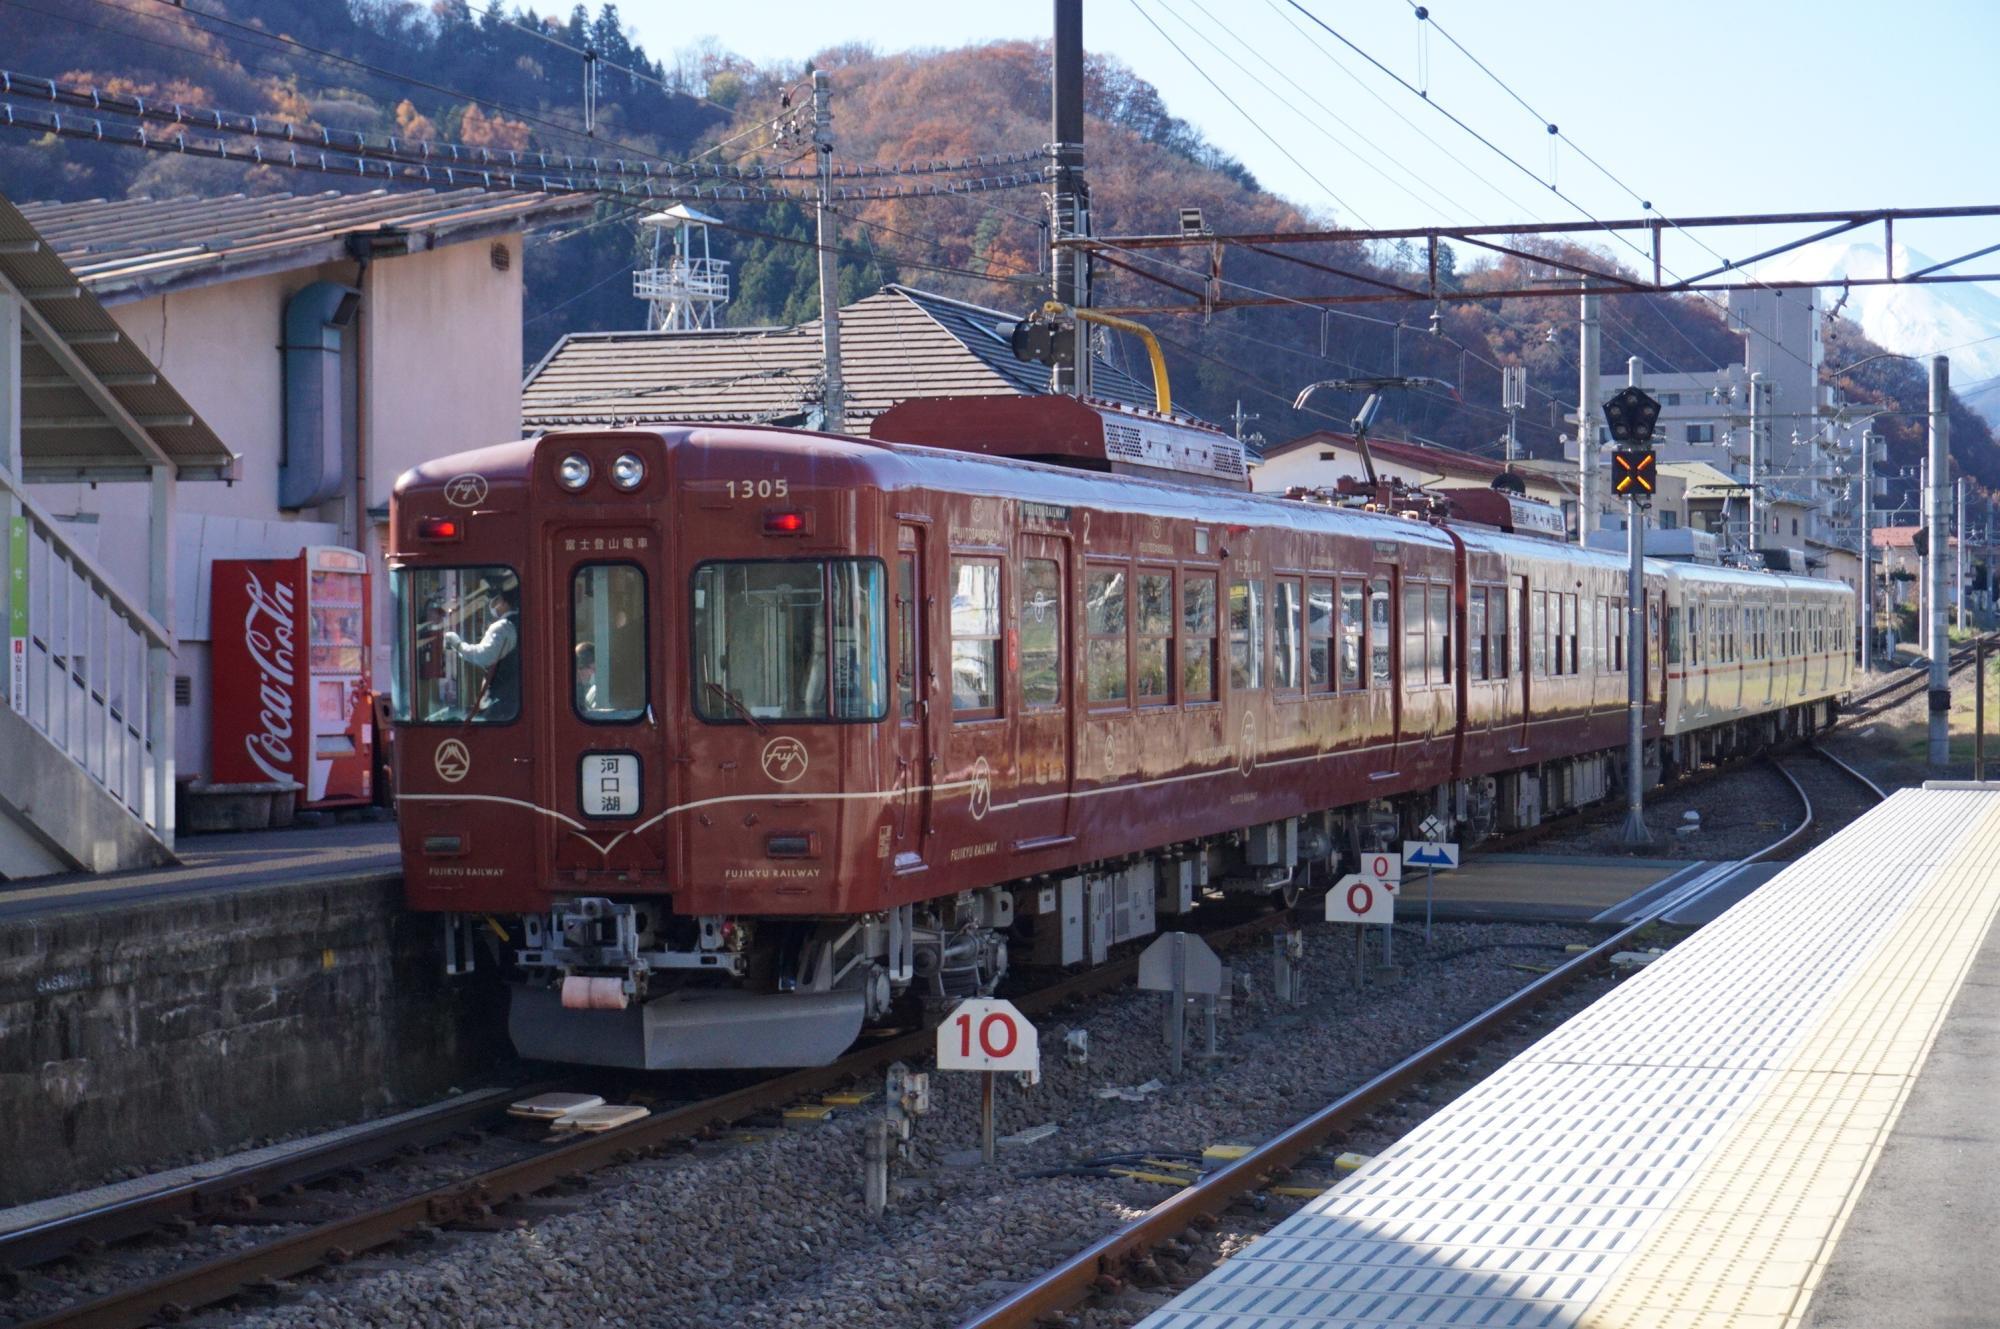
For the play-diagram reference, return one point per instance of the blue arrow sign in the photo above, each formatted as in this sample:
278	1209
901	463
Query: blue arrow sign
1429	854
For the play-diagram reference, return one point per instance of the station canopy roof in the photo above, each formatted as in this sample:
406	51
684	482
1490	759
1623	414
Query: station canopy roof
131	248
93	406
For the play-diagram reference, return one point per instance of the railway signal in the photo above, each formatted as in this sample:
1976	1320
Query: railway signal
1633	472
1631	414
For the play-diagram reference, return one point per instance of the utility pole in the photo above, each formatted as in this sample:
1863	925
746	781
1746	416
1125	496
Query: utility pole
1958	578
1586	423
1924	563
1513	396
1940	466
1243	417
1069	200
1756	454
1866	647
835	397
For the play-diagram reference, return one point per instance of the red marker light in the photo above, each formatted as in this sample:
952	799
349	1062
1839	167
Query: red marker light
438	528
784	523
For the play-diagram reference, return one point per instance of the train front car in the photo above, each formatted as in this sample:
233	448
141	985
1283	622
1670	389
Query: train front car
633	671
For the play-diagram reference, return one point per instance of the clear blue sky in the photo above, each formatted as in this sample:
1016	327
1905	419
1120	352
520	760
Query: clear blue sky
1702	106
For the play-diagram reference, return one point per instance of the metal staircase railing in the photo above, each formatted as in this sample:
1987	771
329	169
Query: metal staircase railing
99	673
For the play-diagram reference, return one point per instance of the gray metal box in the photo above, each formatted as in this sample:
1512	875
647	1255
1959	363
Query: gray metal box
1059	935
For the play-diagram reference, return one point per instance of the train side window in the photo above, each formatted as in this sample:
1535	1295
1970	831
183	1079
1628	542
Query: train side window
608	642
1570	631
1155	647
1379	633
1107	664
975	638
1413	635
1246	637
1475	633
1319	635
1438	661
1651	645
1198	624
1514	646
1673	635
1041	632
1499	616
790	640
1538	632
1353	630
1287	606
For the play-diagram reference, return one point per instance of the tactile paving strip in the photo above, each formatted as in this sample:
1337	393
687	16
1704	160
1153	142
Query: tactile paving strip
1682	1153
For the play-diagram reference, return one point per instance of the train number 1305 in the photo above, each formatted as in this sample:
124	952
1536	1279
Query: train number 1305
747	489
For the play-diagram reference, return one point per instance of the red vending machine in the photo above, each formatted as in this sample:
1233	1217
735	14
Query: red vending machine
289	674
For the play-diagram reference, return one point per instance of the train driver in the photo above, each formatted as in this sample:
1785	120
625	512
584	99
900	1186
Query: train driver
586	675
500	694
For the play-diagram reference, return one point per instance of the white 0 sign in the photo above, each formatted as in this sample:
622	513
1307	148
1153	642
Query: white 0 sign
1381	866
1360	899
987	1034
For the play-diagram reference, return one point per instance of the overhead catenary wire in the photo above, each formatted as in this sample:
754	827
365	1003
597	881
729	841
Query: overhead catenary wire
395	172
1355	134
428	152
1254	123
1548	184
188	14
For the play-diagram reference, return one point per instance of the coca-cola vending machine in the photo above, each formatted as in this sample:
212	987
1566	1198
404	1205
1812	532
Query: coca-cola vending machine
289	674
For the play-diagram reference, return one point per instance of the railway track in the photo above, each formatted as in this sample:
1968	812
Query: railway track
479	1201
1117	1261
484	1199
1896	691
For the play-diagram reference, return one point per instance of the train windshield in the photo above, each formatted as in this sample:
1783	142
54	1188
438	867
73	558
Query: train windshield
458	645
790	640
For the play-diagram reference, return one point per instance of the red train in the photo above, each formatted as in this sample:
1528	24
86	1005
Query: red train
728	739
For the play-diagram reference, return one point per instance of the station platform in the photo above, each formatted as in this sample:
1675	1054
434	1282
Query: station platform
363	853
1787	1121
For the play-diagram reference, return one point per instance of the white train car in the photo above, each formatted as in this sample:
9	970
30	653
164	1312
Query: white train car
1751	657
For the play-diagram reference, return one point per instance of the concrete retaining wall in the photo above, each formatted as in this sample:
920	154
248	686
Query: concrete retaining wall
131	1034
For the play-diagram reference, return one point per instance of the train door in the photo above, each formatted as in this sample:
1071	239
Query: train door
607	777
1385	665
916	679
1038	655
1655	672
1517	663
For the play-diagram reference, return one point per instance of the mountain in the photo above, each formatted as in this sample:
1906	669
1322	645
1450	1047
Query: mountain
443	69
1912	320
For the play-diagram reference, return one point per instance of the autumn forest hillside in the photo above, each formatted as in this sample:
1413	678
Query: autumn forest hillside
444	70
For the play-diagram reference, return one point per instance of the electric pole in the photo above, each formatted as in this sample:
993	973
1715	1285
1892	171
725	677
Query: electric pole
1513	396
1243	417
1069	199
1756	454
1958	578
1940	465
1586	423
835	397
1869	442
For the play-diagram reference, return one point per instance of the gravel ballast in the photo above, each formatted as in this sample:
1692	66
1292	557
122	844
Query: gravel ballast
773	1232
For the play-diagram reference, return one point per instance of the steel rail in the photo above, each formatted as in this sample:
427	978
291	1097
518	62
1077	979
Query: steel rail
1880	793
1100	1266
474	1199
204	1197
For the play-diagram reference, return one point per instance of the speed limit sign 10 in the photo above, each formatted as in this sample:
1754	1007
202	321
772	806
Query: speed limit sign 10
987	1034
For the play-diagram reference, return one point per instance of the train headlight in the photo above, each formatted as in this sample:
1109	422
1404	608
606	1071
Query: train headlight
628	472
574	472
